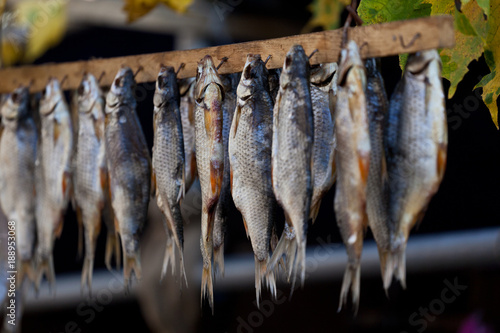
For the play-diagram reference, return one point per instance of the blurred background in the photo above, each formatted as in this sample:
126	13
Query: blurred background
453	256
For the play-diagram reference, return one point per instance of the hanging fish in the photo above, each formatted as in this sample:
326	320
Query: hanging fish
293	135
53	175
323	93
225	203
352	161
90	170
250	142
377	191
209	96
129	168
168	162
416	140
187	106
18	150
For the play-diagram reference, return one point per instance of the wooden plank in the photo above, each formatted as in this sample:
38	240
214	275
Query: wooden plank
376	40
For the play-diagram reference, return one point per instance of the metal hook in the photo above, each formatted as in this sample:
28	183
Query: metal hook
100	77
412	41
312	53
268	57
138	70
357	19
181	66
223	60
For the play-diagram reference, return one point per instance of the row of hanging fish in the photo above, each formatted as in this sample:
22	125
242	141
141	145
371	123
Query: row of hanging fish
259	141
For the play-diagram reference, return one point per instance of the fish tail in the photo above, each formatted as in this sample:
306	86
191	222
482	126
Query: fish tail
112	249
27	269
284	247
169	257
45	266
88	268
313	213
387	266
400	272
219	260
207	288
131	263
351	282
262	274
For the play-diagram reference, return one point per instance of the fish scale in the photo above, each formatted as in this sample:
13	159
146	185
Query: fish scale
187	105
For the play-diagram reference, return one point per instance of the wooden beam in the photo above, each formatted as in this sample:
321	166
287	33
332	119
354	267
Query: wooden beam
376	40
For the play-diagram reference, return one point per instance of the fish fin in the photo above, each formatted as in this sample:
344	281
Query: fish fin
79	220
216	175
45	266
168	257
314	211
246	227
131	264
283	248
103	177
57	130
153	181
91	235
59	226
207	288
441	160
219	260
387	265
236	121
400	271
112	249
364	166
66	182
350	282
262	274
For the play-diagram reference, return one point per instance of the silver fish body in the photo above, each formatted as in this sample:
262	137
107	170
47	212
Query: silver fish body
416	142
323	90
90	169
293	135
209	96
129	168
168	161
18	150
274	83
187	106
352	161
53	175
225	203
377	190
250	142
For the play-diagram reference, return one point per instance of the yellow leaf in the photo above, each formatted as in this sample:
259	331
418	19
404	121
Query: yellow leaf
325	14
139	8
46	24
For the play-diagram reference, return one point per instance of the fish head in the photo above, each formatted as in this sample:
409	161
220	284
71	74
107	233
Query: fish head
88	93
372	66
205	75
421	62
122	89
16	104
166	87
51	96
296	65
350	60
323	74
253	77
185	85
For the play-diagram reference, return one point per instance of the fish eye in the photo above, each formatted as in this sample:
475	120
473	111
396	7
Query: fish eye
14	96
288	61
118	82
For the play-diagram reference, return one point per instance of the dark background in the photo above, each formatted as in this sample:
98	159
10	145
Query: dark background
467	199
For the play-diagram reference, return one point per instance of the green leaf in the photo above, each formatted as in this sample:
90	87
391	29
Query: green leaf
491	82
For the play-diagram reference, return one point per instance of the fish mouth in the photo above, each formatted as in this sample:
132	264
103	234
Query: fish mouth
51	96
420	61
206	74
